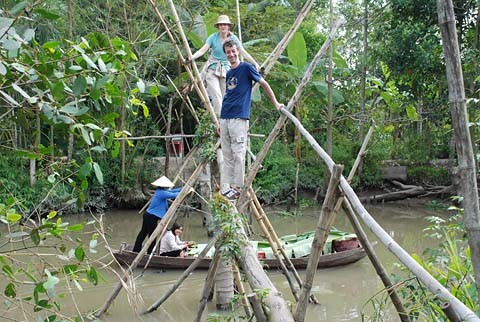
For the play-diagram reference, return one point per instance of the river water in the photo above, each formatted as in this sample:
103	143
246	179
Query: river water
343	292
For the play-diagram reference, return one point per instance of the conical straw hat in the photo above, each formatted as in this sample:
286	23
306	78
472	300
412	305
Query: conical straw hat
163	182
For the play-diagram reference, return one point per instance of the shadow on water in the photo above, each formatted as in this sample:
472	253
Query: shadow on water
342	291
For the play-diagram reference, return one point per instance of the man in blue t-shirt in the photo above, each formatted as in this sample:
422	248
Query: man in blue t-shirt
234	117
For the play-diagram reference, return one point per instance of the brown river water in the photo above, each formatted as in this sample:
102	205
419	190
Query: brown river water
343	292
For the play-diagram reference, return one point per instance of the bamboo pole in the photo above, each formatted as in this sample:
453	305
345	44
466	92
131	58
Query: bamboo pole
461	128
264	219
278	50
155	248
252	172
431	283
200	85
377	264
274	249
184	275
319	239
257	307
199	88
241	290
362	236
207	286
168	215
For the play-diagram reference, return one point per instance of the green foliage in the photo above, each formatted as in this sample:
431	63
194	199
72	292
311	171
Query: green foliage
42	279
206	136
449	263
277	176
428	175
229	223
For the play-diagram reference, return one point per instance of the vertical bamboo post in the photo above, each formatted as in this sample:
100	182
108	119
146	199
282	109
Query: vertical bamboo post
460	123
319	239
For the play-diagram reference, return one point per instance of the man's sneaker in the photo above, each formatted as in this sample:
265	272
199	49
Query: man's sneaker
231	194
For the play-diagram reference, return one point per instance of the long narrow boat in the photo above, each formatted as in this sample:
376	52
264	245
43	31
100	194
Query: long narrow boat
125	256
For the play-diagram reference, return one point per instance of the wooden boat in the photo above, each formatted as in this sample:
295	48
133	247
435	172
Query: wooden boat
126	256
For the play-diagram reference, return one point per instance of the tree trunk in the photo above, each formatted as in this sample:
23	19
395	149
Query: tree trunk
33	163
123	144
70	36
224	284
363	79
458	107
258	280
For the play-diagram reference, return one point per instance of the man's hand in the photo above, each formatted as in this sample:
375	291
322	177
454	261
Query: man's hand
280	106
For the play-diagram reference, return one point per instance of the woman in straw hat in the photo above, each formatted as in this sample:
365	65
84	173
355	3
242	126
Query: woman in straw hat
156	210
217	64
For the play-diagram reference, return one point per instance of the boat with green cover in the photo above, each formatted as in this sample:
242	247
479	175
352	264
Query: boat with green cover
341	248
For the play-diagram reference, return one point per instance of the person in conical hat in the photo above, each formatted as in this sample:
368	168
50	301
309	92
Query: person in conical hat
217	64
156	210
163	182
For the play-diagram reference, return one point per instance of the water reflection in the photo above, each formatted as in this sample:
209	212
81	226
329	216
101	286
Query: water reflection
343	292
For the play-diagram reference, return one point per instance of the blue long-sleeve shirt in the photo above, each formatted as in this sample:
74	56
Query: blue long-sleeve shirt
159	204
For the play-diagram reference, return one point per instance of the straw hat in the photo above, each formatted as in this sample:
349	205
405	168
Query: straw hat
163	182
224	20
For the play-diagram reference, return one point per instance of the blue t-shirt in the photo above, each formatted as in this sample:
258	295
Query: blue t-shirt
216	49
237	100
159	204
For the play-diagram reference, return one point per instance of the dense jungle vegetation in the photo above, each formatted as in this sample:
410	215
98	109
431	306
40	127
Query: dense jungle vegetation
78	76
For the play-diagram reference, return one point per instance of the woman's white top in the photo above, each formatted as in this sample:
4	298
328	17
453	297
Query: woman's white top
170	242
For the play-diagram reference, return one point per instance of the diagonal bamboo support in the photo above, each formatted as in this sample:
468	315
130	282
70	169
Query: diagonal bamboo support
321	234
242	200
377	264
271	231
431	283
362	236
260	220
199	87
282	45
184	275
186	161
241	290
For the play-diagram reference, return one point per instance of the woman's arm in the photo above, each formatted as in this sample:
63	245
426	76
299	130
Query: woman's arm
199	53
